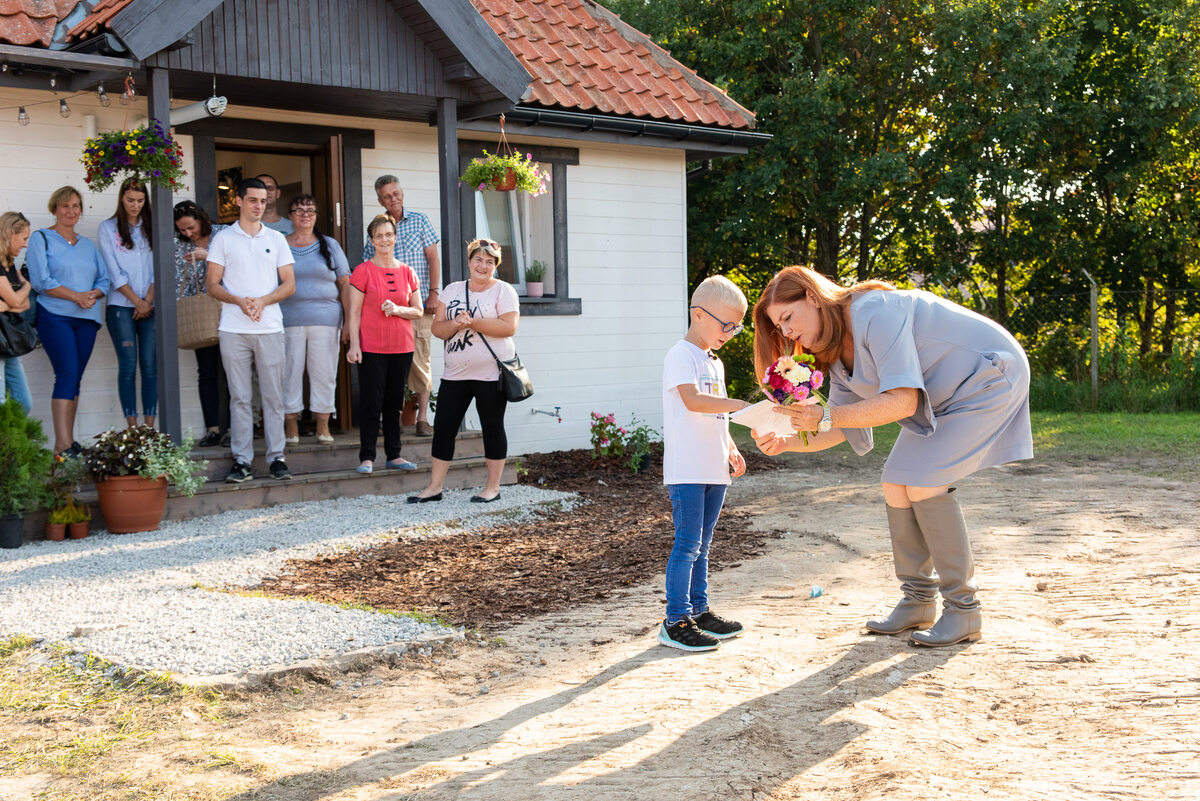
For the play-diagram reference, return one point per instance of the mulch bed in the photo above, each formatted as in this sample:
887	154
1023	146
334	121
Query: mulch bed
619	538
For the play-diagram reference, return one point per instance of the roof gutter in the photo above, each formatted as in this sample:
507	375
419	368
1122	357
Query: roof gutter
697	134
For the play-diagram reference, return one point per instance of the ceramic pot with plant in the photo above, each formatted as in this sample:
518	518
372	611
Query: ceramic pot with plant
66	474
132	468
24	464
504	173
71	516
534	274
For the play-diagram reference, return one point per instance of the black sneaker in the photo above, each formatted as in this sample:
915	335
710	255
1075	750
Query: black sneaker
718	626
239	473
686	637
209	440
279	470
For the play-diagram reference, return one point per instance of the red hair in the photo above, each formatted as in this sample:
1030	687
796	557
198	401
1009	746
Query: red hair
793	284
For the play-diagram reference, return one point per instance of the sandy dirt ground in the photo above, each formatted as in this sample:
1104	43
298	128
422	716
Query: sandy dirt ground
1086	684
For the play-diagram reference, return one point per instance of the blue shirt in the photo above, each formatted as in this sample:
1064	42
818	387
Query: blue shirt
52	262
126	267
414	233
316	300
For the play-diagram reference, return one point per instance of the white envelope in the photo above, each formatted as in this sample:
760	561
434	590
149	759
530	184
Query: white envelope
762	418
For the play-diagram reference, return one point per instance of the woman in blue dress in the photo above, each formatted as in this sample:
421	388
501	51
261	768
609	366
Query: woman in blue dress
958	385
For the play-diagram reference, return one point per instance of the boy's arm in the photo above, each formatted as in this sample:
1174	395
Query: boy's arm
696	401
737	462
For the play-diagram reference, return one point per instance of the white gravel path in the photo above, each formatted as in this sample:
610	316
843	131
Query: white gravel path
148	599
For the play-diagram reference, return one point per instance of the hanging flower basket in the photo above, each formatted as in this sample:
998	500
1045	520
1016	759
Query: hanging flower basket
505	170
149	154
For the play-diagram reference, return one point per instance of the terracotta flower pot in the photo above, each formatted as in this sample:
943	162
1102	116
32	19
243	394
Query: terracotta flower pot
56	531
78	531
408	413
506	184
132	503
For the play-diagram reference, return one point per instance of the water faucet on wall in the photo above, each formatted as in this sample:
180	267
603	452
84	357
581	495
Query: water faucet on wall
556	413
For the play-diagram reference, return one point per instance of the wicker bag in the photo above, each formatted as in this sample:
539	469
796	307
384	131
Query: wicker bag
198	317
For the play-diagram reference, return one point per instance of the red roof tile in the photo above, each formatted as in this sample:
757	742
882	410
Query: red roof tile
102	12
614	67
29	22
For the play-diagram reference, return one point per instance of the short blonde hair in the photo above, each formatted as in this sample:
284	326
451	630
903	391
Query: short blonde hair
12	223
60	197
487	246
717	289
378	221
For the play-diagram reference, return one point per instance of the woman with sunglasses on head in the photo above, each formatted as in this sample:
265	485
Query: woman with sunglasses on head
384	300
955	381
467	311
14	297
194	230
126	241
312	321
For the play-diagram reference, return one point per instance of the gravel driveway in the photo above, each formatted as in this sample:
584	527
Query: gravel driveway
152	599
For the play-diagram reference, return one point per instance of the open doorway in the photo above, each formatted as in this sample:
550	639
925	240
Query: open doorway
296	170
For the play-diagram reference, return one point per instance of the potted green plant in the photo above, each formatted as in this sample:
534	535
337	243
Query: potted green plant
534	274
639	442
505	173
131	468
24	463
66	474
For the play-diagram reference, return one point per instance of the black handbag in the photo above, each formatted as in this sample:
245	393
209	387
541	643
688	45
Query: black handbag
17	335
514	378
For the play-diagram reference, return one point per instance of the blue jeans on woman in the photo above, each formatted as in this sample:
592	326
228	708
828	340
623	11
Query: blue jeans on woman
13	383
134	341
695	509
68	342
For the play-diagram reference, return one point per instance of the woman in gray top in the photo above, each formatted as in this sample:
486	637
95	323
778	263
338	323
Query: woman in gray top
957	383
312	321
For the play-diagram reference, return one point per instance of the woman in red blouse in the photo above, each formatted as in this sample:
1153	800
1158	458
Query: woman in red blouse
381	342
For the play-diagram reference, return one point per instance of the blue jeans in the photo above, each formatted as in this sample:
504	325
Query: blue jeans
68	342
695	509
134	341
12	381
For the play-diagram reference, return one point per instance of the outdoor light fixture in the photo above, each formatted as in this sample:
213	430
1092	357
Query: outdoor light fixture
103	95
213	107
4	67
22	117
53	81
63	109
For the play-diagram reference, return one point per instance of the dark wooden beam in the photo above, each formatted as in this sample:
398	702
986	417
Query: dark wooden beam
79	62
260	131
204	169
166	335
452	235
148	26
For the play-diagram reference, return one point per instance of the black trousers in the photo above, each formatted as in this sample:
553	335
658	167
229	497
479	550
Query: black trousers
381	381
453	399
214	392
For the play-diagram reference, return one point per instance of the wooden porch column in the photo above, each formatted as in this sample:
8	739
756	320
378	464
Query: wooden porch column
452	237
166	335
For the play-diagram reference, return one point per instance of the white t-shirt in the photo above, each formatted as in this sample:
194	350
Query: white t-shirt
251	270
696	446
466	357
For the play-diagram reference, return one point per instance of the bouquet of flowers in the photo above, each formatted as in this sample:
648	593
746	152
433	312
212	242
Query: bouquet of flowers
151	154
794	379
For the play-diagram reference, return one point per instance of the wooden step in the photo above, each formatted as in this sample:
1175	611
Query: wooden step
311	456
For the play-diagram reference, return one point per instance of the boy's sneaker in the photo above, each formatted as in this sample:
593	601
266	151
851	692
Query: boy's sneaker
239	473
686	637
279	470
718	626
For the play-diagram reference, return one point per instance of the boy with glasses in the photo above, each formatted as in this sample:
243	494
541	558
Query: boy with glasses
699	457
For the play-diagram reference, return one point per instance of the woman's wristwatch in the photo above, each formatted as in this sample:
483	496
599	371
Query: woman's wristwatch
826	421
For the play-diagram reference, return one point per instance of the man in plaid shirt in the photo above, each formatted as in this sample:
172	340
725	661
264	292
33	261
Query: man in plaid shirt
416	246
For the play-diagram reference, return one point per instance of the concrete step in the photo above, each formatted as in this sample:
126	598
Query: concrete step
310	456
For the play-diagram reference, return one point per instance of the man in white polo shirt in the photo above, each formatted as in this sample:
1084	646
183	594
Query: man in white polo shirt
250	271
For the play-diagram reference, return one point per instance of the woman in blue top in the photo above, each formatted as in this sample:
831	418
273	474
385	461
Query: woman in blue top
957	383
125	242
312	321
70	278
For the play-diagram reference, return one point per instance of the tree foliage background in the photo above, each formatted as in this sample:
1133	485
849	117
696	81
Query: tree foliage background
997	152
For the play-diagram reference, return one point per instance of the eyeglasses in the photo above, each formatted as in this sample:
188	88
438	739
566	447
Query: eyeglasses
305	211
733	329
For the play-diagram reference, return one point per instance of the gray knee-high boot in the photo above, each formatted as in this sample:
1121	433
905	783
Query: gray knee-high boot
941	521
914	568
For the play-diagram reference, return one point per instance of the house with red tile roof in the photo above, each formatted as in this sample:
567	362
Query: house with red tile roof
328	96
